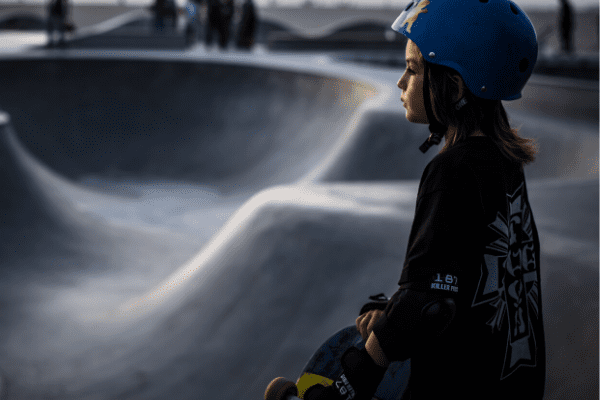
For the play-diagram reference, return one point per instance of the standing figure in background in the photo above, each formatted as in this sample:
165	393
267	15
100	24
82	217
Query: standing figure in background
597	28
202	17
57	13
226	14
213	16
164	9
567	26
158	8
192	23
247	25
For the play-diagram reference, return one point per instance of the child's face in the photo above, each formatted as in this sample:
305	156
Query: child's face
411	84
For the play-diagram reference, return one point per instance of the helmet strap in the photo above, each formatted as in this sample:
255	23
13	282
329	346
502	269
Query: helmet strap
437	129
460	104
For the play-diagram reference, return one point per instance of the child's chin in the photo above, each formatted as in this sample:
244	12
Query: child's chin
414	119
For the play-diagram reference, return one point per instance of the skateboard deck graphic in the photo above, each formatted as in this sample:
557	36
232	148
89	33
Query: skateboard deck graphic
324	366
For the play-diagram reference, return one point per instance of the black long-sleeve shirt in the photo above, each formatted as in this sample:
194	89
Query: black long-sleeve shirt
474	239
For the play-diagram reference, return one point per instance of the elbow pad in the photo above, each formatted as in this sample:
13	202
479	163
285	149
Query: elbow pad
411	319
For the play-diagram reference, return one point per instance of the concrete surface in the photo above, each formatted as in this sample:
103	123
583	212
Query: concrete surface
192	225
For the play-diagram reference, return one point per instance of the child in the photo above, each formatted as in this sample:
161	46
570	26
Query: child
468	312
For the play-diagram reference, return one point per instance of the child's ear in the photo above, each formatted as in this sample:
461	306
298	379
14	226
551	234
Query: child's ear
457	79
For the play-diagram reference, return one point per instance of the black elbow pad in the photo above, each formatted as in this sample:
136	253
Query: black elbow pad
411	319
438	314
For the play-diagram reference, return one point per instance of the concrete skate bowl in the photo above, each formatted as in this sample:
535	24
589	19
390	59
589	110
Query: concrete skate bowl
132	30
85	130
311	210
226	126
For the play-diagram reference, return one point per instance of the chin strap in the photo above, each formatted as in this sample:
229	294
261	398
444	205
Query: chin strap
435	127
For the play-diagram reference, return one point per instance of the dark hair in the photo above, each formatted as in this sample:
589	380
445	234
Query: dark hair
488	116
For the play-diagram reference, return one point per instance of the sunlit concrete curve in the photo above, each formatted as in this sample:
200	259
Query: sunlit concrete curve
189	275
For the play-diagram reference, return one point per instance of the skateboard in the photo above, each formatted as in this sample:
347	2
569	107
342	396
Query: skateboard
324	366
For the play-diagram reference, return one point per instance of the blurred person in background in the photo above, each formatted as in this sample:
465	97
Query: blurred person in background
597	27
220	13
212	20
202	11
164	9
158	14
224	27
566	25
192	27
247	25
57	22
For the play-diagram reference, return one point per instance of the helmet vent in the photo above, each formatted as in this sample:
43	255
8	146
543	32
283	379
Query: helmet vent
523	65
409	5
514	9
483	1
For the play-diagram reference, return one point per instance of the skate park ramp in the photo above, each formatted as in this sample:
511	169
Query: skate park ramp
22	22
132	30
153	120
193	227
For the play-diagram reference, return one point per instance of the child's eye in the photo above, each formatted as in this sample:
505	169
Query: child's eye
410	71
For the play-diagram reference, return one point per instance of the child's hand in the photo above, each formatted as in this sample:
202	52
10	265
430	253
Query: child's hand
365	322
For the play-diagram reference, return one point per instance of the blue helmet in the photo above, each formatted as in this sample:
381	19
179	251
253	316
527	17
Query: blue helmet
491	43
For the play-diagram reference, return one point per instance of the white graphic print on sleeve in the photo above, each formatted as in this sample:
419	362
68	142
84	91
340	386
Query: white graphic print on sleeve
509	283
